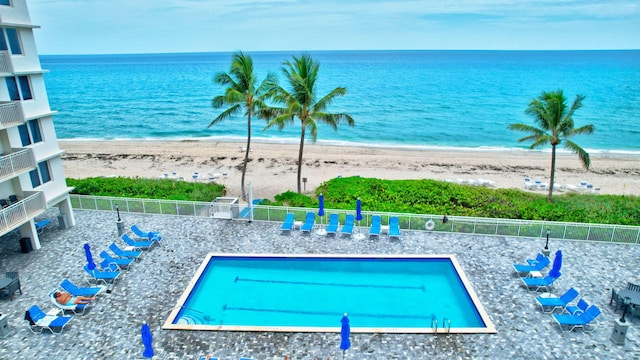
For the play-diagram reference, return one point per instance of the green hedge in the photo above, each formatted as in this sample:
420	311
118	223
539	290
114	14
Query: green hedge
146	188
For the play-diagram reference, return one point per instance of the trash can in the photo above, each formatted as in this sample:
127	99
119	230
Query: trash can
25	245
4	327
120	226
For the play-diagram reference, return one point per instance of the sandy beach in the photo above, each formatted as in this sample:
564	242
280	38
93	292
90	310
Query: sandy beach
272	167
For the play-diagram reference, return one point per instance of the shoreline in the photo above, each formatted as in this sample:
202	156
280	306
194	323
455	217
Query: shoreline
273	166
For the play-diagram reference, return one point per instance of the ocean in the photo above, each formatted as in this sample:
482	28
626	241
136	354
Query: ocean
408	99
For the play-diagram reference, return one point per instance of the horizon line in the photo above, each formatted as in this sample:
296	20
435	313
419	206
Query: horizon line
342	50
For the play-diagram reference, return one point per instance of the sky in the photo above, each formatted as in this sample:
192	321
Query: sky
162	26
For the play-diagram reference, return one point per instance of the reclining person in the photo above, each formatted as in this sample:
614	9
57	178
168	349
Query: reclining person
64	298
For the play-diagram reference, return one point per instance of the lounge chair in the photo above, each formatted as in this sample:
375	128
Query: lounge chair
537	284
525	269
121	262
134	254
552	303
577	309
141	245
77	309
538	258
308	222
289	220
584	320
39	321
106	277
374	229
145	235
332	228
40	225
109	266
72	289
394	227
347	229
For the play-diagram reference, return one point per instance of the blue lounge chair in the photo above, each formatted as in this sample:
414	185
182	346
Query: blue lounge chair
374	230
289	219
134	254
77	309
537	284
308	222
106	277
121	262
332	228
145	234
394	227
40	225
39	321
347	229
539	266
538	258
72	289
141	245
553	303
584	320
577	309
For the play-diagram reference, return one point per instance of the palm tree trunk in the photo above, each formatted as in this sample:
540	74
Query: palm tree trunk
300	158
246	157
553	173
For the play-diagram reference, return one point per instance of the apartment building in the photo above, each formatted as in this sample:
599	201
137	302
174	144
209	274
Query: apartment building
31	175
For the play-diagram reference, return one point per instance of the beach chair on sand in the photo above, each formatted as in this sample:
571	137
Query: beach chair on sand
347	229
289	219
332	228
374	230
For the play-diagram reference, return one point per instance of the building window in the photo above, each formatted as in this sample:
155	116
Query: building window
14	41
5	2
41	175
22	93
10	36
30	132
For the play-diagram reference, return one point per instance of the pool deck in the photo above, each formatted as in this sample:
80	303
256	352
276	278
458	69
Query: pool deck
149	291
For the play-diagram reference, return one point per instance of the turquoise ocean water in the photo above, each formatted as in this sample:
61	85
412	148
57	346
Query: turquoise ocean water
414	99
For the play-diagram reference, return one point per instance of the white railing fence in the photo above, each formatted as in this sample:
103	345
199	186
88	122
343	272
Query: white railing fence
414	222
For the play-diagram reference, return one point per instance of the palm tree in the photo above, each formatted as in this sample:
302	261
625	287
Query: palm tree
555	126
301	101
242	92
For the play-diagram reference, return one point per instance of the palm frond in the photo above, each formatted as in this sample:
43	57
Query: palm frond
582	154
226	114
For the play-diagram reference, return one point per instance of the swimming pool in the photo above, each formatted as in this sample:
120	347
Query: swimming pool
309	293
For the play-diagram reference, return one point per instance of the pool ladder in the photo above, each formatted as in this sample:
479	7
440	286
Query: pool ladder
446	324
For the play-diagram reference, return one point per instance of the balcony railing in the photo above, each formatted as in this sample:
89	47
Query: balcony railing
408	222
15	163
10	115
5	62
21	212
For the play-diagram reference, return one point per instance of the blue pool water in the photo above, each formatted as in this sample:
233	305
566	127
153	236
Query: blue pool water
310	293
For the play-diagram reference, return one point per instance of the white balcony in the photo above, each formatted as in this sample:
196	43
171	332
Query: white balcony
10	115
16	163
22	211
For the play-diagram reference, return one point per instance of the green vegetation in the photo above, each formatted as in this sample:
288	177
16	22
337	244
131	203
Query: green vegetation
555	121
438	197
303	102
146	188
242	92
401	196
